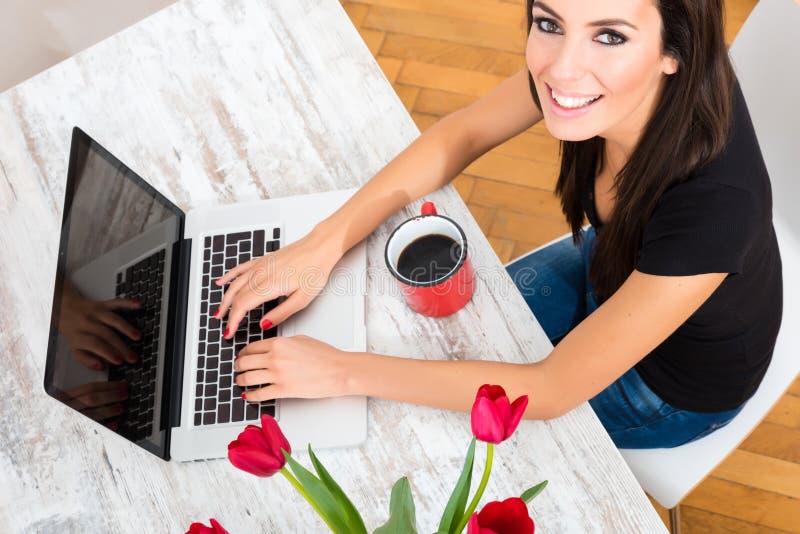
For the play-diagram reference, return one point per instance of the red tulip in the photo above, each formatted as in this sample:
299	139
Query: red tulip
200	528
507	517
494	419
257	450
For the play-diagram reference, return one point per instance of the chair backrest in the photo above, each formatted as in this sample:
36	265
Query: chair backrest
766	56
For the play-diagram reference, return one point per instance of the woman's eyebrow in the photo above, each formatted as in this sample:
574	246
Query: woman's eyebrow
602	22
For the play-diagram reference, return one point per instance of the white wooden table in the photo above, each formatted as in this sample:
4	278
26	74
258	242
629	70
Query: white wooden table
222	101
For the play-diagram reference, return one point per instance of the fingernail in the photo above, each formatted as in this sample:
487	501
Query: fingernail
137	302
244	396
137	334
216	313
113	426
235	356
119	409
97	366
217	281
227	332
266	324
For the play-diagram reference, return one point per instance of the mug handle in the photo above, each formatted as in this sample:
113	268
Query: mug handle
428	209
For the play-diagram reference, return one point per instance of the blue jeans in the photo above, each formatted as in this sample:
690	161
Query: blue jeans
554	281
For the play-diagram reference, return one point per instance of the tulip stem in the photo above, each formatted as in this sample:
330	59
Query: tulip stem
299	487
481	487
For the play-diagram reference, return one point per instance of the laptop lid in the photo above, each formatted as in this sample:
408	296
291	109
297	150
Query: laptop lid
118	233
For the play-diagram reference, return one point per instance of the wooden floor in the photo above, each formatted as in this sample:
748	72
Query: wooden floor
441	55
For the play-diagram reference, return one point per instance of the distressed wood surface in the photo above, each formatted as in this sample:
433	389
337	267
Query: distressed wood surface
225	101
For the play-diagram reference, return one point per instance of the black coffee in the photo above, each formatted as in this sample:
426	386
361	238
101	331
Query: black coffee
428	258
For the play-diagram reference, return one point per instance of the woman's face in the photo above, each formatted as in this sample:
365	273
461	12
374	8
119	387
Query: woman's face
597	66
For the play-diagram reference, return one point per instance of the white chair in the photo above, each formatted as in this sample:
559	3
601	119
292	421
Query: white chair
766	56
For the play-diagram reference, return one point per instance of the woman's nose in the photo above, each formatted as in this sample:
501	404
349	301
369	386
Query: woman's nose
569	63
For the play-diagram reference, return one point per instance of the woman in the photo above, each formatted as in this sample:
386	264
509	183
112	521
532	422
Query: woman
675	288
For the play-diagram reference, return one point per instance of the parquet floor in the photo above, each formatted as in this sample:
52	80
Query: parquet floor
441	55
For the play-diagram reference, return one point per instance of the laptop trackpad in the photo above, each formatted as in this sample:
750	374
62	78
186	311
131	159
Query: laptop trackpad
328	318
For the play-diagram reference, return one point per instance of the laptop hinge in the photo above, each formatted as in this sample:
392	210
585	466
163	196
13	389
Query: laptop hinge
176	335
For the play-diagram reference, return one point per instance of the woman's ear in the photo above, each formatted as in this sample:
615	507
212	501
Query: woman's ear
669	64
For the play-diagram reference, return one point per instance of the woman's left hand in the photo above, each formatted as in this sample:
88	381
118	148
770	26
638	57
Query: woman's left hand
297	367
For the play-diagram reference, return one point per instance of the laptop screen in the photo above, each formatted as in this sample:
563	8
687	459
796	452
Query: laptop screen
108	338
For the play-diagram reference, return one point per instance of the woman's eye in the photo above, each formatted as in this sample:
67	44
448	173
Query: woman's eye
547	25
611	38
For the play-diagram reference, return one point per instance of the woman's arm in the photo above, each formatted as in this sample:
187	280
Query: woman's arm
430	162
627	327
630	324
435	158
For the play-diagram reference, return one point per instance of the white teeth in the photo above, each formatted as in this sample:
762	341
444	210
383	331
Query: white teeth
571	102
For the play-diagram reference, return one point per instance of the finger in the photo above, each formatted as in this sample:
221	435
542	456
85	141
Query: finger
263	394
293	304
111	338
238	312
233	273
98	348
115	321
88	360
103	397
104	412
256	347
250	362
120	303
258	377
229	297
84	389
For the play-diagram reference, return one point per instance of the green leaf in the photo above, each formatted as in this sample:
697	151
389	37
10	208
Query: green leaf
354	522
402	515
327	504
530	493
454	511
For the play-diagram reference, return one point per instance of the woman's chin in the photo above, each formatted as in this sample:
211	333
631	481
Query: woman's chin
568	133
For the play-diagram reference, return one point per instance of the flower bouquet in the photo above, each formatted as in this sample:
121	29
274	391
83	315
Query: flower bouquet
264	451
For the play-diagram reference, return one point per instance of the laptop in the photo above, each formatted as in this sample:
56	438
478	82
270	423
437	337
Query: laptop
123	239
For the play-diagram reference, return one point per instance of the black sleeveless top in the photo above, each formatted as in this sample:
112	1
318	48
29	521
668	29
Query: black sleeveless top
719	220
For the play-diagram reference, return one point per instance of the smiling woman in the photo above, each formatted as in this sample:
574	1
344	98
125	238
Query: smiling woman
663	313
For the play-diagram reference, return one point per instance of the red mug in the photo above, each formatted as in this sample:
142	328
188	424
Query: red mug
432	292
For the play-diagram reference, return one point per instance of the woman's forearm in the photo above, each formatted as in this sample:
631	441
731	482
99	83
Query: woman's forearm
447	385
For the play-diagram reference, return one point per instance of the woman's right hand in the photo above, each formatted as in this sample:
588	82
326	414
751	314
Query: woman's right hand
298	271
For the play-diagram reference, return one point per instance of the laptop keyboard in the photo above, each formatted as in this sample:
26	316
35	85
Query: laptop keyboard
142	281
217	398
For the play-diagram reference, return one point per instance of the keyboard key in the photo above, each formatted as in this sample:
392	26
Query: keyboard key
258	241
223	413
211	390
276	233
219	243
272	246
237	410
251	411
238	236
209	418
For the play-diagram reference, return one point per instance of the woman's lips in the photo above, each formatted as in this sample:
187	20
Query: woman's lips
565	112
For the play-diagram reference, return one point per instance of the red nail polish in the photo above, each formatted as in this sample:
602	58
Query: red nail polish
244	396
266	324
137	334
235	356
216	313
226	333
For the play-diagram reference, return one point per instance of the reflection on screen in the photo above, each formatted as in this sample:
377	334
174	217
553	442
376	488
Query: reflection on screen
106	359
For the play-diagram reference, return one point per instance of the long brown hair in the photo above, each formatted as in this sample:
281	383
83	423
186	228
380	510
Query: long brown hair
689	127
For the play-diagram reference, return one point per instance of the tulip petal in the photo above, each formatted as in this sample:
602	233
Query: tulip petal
217	527
517	410
274	436
486	425
255	461
507	517
503	407
491	391
252	436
